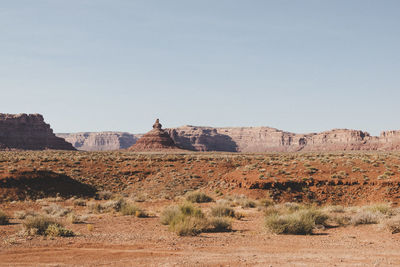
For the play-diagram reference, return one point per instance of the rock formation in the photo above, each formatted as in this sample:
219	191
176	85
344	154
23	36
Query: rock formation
241	139
100	141
28	132
266	139
155	140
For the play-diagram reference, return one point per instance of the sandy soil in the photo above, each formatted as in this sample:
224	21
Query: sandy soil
113	240
129	241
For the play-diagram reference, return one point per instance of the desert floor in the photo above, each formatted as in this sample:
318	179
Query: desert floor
117	240
29	182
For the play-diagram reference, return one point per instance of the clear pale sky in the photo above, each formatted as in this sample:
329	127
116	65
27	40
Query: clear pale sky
300	66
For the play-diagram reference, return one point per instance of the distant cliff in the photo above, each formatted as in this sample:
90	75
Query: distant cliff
100	141
30	132
266	139
247	139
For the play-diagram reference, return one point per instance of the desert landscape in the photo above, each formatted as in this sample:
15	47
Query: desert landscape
158	204
199	133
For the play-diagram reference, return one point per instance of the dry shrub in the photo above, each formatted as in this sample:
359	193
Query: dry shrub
131	209
266	202
104	195
341	220
365	217
58	230
222	211
383	208
198	197
187	219
298	221
56	210
393	225
335	209
80	202
242	201
168	214
23	214
109	206
42	225
221	224
76	219
4	218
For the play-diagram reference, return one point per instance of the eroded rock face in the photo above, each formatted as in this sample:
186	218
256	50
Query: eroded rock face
266	139
155	140
100	141
30	132
239	139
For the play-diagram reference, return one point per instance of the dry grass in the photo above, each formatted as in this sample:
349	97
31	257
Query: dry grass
187	219
198	197
41	225
293	219
4	218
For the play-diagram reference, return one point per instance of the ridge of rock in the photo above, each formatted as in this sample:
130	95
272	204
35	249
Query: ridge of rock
262	139
100	141
28	132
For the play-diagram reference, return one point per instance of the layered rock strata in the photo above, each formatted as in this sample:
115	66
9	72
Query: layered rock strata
155	140
266	139
29	132
243	139
100	141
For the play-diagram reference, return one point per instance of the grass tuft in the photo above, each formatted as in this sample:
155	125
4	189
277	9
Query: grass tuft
198	197
4	218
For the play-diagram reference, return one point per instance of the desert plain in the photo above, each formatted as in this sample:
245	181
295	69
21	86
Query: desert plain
115	208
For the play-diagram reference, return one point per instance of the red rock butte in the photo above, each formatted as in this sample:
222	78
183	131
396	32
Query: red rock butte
28	132
155	140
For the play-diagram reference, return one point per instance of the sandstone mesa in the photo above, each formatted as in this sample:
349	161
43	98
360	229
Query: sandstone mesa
23	131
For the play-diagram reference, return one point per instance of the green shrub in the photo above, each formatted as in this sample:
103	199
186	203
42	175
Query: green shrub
222	211
4	218
198	197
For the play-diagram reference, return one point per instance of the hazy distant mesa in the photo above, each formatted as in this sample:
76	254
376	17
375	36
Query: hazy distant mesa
23	131
244	139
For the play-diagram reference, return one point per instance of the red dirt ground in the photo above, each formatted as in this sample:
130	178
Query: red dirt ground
115	240
129	241
338	178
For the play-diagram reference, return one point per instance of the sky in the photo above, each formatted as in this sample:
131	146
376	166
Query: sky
117	65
